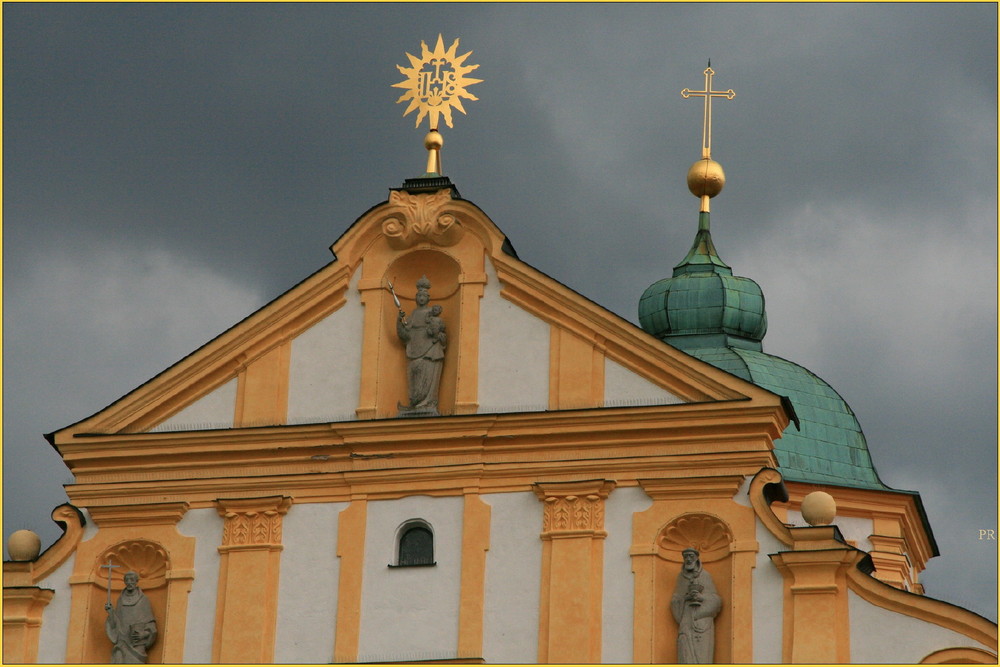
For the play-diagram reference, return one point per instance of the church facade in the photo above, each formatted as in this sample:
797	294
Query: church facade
582	485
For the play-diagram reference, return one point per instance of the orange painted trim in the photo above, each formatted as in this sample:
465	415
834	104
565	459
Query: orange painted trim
576	371
262	389
73	522
29	573
960	655
22	622
324	292
816	620
570	617
893	514
924	608
509	451
472	598
247	601
351	550
709	499
220	360
762	504
467	382
375	299
153	524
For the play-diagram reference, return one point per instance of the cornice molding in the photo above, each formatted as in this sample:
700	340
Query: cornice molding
899	508
502	452
138	514
925	608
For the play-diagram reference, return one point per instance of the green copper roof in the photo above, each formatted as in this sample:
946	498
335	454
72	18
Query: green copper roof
706	311
704	297
828	445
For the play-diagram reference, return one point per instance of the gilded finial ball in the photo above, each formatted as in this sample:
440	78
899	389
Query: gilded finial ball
706	178
433	140
23	545
819	508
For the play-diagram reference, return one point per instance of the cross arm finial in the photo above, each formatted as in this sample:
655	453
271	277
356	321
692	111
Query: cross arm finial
708	94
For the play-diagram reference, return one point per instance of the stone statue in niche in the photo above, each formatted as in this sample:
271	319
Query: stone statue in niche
130	625
695	604
425	339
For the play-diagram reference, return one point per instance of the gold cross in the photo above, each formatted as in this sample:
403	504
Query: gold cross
708	94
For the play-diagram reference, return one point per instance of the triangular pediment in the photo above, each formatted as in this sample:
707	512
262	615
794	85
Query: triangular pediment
328	350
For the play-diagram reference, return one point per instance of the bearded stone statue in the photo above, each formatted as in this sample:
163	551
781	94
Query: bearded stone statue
695	604
130	625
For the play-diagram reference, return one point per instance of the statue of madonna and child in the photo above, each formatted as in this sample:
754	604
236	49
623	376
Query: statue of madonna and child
425	339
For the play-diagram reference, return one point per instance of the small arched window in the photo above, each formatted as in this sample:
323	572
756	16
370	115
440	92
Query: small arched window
414	544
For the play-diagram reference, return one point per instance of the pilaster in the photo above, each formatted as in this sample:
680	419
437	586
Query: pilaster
22	622
467	382
351	552
472	602
572	570
816	621
247	604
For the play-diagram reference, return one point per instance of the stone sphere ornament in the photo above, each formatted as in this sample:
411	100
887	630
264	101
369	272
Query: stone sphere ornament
24	545
819	508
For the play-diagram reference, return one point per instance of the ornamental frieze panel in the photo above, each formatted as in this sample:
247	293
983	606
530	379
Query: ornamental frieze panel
414	218
253	521
573	506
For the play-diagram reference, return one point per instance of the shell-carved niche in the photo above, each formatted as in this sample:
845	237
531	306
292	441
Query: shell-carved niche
147	559
415	218
704	532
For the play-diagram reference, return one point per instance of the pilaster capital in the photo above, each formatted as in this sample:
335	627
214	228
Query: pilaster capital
575	508
252	522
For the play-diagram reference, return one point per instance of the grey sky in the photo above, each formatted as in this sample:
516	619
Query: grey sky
169	168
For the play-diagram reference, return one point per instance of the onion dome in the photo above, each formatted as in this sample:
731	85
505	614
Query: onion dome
704	299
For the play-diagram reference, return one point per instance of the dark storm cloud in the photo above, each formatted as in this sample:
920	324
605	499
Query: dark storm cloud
170	167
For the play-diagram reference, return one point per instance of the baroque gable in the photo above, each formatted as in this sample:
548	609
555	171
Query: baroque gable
327	350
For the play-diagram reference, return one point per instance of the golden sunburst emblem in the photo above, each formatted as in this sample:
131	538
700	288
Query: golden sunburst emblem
436	82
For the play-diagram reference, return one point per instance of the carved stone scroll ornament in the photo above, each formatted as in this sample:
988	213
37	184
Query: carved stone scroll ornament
695	604
415	218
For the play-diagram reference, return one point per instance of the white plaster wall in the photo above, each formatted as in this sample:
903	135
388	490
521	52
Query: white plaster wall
55	618
324	378
768	599
881	636
513	578
411	613
619	582
213	410
513	354
623	387
742	496
307	587
855	529
205	525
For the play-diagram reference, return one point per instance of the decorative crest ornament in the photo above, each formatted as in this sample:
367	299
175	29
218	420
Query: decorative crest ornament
435	83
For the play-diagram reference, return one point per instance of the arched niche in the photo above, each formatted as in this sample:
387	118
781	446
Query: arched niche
443	272
151	562
694	513
713	539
